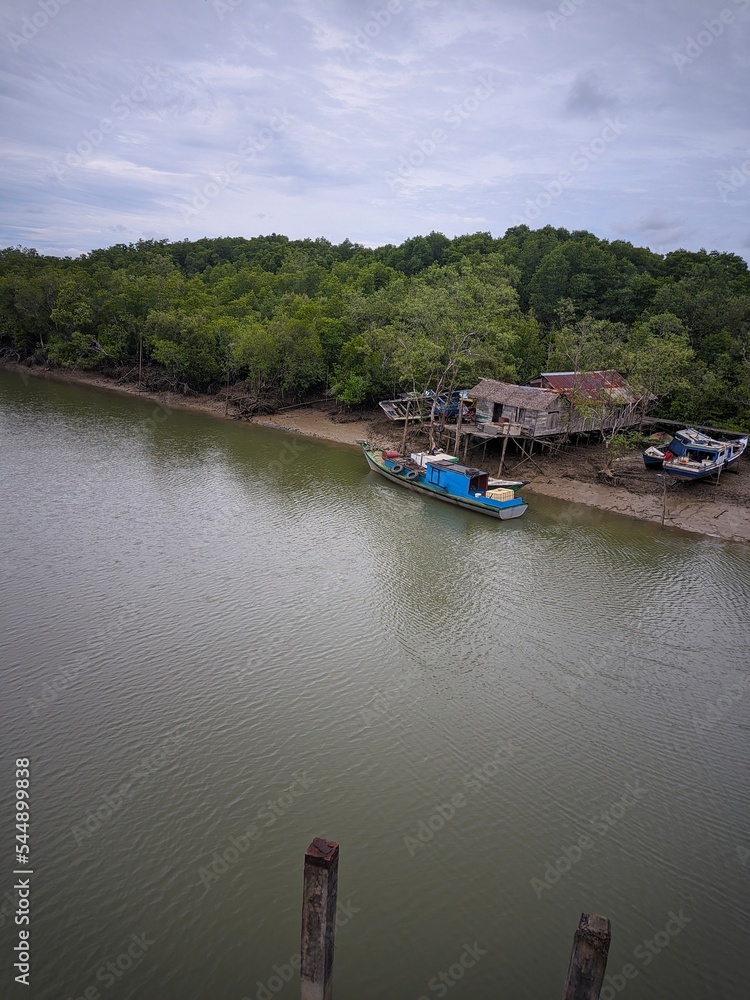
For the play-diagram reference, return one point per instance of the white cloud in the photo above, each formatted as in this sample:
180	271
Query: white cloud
359	92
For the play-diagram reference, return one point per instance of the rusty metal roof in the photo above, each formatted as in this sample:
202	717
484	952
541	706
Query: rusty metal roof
593	385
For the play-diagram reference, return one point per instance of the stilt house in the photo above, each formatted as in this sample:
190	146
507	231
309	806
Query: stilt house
555	404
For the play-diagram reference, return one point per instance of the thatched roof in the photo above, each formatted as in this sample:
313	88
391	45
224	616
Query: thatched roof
515	395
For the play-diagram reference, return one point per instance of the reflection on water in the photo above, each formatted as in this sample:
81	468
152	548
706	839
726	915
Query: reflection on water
221	641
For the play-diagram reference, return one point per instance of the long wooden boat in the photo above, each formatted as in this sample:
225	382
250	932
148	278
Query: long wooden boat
443	478
692	455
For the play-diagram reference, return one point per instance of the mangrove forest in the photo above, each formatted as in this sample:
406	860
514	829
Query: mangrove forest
298	319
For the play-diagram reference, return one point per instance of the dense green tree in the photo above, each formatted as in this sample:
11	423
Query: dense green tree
657	358
188	346
297	316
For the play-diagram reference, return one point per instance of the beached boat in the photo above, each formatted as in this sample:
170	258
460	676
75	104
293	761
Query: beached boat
441	476
418	406
692	455
653	457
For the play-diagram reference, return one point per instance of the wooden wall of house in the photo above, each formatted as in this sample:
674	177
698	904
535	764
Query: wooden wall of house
535	423
518	415
543	423
485	411
602	422
549	422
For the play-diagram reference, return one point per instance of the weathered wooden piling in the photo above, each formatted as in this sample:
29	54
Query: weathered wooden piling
588	959
459	421
406	427
502	457
319	919
663	498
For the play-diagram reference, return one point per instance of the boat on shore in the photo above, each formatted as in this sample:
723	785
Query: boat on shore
419	406
653	457
442	477
692	455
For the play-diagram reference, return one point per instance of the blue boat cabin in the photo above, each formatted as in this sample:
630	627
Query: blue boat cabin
458	480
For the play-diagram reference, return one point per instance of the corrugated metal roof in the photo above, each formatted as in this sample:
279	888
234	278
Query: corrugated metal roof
590	384
515	395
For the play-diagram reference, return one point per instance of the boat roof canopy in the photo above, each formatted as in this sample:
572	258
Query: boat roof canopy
694	438
464	470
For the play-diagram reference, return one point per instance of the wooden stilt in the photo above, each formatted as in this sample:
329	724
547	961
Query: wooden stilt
319	919
588	959
528	457
502	456
406	426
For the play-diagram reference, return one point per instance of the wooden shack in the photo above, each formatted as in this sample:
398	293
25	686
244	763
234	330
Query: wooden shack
555	404
510	410
594	401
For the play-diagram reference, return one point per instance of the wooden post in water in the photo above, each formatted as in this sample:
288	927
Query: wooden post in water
319	919
588	959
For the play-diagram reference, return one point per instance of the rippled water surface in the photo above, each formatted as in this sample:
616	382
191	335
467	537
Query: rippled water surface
219	642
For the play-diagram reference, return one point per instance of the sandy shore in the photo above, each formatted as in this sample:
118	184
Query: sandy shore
727	517
317	423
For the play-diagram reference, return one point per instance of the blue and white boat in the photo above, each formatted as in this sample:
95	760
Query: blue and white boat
653	457
443	478
692	455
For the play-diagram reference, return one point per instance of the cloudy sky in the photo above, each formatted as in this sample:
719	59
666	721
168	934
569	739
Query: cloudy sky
375	120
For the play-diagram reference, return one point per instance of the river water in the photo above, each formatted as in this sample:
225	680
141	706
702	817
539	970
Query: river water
221	641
